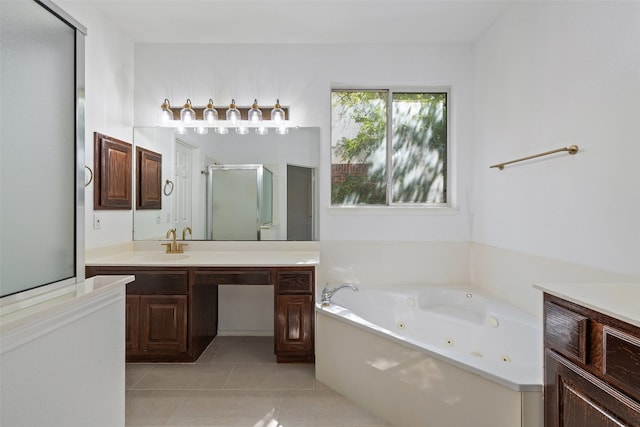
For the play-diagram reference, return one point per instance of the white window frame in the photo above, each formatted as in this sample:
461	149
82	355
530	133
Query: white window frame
447	208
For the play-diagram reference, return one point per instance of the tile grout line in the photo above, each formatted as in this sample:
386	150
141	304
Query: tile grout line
132	386
178	407
224	385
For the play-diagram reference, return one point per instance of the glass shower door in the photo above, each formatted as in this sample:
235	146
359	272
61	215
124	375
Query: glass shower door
236	202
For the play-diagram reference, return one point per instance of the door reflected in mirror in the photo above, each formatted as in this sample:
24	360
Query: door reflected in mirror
278	203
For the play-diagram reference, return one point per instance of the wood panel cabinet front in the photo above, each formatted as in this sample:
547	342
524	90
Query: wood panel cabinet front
163	323
132	322
294	328
575	398
112	173
592	365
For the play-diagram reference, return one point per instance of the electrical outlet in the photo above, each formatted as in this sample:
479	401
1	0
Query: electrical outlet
97	222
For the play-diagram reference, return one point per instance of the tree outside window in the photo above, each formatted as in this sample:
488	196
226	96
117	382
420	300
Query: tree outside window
367	169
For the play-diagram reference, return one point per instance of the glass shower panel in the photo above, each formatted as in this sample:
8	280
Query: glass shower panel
37	161
266	202
233	204
239	201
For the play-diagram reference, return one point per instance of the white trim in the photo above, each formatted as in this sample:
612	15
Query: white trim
419	210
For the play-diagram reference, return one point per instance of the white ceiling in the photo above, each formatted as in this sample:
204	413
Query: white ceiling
301	21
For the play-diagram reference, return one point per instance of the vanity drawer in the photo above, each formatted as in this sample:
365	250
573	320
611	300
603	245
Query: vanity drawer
233	277
566	331
294	281
159	282
621	360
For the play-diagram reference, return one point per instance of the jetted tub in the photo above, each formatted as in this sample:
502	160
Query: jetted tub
432	356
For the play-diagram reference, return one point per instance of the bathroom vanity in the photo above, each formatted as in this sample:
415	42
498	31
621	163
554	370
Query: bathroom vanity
592	355
172	306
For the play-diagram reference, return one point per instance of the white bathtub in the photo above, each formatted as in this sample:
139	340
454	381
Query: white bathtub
432	356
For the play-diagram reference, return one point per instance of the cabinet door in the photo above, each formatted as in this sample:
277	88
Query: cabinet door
163	323
132	322
575	398
294	324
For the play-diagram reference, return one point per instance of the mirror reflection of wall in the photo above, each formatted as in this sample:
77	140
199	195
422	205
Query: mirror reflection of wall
185	159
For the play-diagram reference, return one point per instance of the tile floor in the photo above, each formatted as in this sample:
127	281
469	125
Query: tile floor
236	382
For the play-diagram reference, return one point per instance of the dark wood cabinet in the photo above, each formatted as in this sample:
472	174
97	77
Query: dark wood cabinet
592	367
148	179
294	328
132	322
111	173
294	314
156	323
172	312
163	323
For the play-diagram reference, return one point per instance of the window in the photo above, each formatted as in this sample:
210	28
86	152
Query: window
388	147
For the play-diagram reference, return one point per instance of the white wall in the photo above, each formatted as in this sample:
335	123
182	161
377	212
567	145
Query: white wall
65	366
547	75
301	76
108	108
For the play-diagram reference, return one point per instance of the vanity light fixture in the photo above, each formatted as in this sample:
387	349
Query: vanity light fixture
187	114
242	119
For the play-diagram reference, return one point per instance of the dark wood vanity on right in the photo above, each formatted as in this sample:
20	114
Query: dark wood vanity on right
592	366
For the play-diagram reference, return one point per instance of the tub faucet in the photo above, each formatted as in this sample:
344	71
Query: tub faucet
328	293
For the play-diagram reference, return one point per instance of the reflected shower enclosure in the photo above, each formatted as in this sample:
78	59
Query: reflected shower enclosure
239	202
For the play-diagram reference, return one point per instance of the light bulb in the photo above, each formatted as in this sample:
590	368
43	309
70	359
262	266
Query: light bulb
242	130
187	115
282	130
255	115
201	130
261	130
233	114
181	130
221	130
165	113
277	114
210	114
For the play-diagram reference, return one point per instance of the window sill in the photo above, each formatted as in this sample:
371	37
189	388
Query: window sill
393	210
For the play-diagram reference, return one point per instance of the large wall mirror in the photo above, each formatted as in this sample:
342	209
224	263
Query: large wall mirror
232	187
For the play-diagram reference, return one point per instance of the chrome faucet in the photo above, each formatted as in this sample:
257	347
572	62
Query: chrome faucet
328	293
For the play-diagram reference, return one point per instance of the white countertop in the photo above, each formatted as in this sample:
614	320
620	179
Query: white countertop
26	319
207	258
209	254
15	314
618	300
